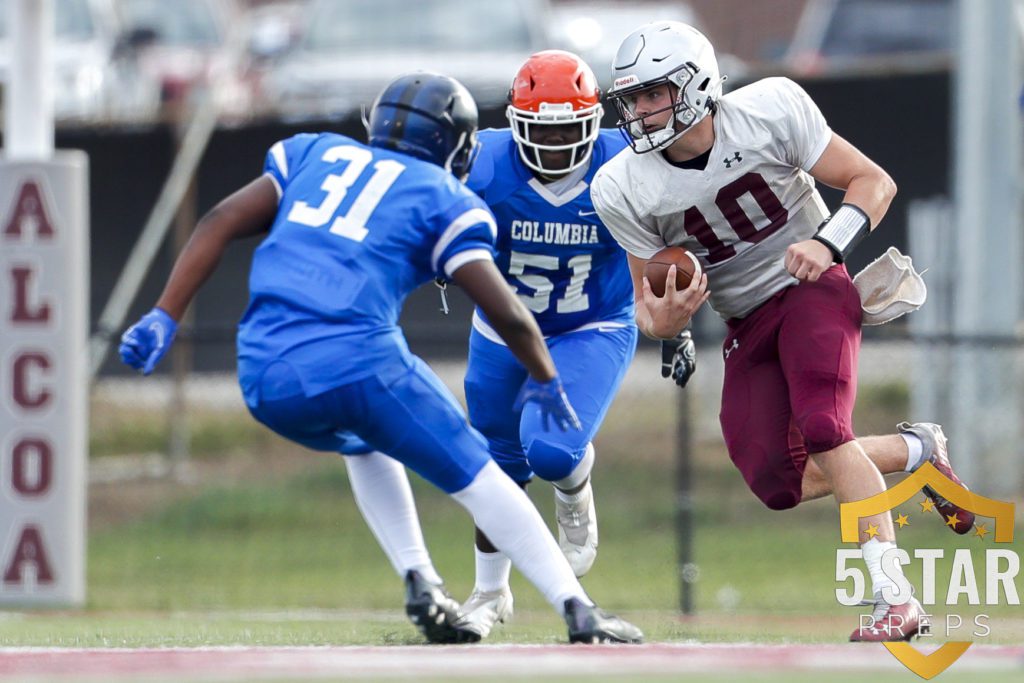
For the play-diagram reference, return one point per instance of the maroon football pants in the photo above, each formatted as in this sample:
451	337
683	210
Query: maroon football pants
790	383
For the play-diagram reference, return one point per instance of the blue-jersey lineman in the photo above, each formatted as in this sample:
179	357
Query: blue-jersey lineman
572	275
353	229
567	269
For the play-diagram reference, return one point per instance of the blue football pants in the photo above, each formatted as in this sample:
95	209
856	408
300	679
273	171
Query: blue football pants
591	364
404	411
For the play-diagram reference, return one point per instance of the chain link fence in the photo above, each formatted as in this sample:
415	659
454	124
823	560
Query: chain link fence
160	420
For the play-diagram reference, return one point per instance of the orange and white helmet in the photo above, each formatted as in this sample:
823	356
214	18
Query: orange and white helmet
554	87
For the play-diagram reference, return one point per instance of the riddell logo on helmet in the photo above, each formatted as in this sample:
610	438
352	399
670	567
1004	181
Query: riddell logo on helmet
997	576
626	81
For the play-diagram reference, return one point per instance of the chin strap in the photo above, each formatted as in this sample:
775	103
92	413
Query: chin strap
442	287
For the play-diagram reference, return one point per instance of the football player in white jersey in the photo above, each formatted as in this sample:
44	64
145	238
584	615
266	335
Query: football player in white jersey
731	178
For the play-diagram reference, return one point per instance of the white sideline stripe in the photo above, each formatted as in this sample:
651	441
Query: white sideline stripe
464	661
470	219
280	159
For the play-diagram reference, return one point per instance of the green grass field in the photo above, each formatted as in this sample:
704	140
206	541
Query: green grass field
264	546
288	560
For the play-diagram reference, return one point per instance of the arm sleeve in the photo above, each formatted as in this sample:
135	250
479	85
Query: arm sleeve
620	219
283	158
467	233
806	129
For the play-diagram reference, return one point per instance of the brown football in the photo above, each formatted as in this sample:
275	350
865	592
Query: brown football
656	270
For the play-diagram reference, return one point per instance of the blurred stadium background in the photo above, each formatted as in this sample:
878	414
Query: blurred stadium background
204	528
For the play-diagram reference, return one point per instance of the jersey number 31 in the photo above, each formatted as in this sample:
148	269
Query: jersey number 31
351	225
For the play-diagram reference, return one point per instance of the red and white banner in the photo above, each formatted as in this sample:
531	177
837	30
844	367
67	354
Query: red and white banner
43	380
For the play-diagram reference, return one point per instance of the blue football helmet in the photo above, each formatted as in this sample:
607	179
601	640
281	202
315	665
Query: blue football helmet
428	116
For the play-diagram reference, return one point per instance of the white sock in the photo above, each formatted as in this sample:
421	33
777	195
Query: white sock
505	514
574	498
580	474
492	571
916	449
383	495
873	551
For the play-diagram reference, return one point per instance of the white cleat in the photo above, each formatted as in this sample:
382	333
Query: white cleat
577	530
482	611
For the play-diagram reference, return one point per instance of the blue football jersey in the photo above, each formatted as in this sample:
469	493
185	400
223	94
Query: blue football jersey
553	249
358	228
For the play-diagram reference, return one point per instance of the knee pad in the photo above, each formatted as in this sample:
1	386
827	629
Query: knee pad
552	461
822	432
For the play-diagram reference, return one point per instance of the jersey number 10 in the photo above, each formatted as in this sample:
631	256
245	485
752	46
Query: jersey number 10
727	201
351	225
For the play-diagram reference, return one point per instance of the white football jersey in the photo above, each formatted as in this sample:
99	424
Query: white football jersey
740	213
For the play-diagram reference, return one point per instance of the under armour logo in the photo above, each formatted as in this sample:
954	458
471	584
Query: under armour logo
736	158
735	345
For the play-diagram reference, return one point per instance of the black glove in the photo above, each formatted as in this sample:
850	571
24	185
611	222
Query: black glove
679	358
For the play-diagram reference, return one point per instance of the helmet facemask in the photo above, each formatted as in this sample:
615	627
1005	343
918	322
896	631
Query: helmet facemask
684	115
554	88
523	121
460	161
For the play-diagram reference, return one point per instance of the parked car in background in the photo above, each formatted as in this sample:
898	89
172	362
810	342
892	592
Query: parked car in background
836	36
349	49
86	33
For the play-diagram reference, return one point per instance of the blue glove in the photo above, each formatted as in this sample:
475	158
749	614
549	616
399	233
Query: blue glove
553	403
145	343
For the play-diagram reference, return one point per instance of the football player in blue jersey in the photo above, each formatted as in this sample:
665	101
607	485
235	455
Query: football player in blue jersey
353	229
570	273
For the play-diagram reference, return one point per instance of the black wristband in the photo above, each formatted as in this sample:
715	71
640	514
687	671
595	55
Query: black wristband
843	230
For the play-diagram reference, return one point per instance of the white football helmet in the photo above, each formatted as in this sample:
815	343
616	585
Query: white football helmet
658	53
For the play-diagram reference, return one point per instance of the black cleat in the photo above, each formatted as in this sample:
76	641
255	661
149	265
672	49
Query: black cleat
432	610
590	624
